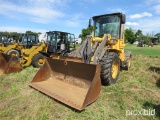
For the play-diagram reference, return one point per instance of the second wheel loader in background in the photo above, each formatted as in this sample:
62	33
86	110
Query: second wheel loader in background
76	80
14	47
58	44
34	52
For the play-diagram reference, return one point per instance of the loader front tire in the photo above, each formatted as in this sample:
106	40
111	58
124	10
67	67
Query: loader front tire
110	67
38	60
14	53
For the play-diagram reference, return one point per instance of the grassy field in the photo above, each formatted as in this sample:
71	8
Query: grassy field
136	90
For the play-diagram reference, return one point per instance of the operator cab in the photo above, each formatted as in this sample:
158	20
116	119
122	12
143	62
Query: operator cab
60	41
4	40
108	24
28	40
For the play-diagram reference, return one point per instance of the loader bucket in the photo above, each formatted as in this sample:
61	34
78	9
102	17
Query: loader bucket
73	83
9	64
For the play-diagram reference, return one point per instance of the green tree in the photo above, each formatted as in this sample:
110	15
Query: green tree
85	32
30	32
129	35
139	35
4	33
13	35
146	38
158	36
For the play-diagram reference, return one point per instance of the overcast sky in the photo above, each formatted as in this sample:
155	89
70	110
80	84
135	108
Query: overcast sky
72	15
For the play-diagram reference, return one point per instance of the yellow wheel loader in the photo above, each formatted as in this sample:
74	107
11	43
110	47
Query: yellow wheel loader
58	44
76	80
32	46
8	63
28	46
28	55
12	63
10	46
11	49
14	47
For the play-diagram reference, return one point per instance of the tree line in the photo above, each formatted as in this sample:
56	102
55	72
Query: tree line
131	36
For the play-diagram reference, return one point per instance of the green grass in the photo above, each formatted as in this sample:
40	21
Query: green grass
146	51
136	89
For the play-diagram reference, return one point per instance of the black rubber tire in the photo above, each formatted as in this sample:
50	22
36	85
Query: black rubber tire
65	53
13	51
127	57
106	68
36	59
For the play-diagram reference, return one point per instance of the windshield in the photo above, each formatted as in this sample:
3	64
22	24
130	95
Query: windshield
32	38
3	38
29	39
71	38
24	40
50	37
107	25
62	38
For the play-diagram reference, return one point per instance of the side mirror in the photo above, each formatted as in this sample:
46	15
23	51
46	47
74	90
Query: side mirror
123	18
90	22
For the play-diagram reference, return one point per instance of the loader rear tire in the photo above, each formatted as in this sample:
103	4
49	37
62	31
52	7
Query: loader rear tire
110	67
128	60
14	53
38	60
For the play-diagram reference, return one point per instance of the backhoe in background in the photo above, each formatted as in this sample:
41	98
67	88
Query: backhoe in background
76	80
